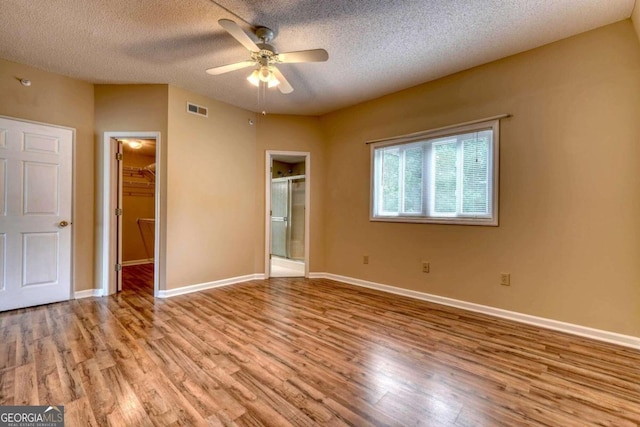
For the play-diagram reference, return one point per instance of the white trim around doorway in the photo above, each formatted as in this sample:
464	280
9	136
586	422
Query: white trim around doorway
267	205
106	253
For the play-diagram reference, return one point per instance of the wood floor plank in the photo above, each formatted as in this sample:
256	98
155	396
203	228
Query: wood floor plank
67	369
38	316
305	352
158	394
201	389
8	338
158	407
7	386
129	408
26	385
79	413
50	391
24	341
408	410
100	397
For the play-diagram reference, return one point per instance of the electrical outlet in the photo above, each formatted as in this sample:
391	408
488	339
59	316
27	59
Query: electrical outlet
505	279
365	259
425	266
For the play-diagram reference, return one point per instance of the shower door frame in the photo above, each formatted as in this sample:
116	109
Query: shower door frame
270	154
288	218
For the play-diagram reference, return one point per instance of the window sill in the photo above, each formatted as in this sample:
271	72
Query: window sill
492	222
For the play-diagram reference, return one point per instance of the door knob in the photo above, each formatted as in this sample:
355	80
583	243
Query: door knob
64	224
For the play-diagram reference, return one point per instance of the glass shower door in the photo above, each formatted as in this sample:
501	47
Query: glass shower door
279	217
288	227
296	222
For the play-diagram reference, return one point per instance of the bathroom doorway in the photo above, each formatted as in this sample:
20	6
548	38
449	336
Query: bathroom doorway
287	226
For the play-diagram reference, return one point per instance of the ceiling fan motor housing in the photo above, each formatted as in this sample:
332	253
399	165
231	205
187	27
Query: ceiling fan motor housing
265	34
266	55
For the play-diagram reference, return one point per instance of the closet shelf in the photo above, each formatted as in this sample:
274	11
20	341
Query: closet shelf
147	172
137	184
137	194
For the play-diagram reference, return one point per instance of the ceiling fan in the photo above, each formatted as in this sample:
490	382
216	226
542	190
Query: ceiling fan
265	57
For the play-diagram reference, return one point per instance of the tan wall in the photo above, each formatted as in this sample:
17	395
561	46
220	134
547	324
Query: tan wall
635	17
569	229
59	100
137	238
293	133
142	108
131	108
212	184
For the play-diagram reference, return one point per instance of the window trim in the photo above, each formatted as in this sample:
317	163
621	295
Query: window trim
488	124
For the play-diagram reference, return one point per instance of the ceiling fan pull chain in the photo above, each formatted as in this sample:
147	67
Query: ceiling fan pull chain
262	97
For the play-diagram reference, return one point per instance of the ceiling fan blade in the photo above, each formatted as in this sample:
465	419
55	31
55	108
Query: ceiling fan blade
284	85
238	34
313	55
229	67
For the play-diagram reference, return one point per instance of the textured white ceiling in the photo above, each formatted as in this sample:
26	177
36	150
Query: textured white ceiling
375	46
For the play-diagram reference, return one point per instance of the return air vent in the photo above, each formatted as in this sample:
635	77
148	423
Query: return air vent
196	109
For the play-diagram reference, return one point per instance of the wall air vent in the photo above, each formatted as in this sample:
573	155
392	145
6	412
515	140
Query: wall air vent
196	109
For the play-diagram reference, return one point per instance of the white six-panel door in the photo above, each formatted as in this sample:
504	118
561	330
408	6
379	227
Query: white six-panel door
35	213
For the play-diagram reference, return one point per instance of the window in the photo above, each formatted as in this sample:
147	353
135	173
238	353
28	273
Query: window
446	176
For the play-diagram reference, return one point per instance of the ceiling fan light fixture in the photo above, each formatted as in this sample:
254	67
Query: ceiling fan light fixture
136	145
265	74
254	78
273	82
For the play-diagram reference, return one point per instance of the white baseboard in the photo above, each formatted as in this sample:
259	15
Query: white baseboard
137	262
209	285
583	331
87	293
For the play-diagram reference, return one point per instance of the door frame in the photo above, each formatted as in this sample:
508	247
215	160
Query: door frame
72	270
270	154
108	240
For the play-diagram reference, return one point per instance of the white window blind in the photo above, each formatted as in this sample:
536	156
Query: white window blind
448	176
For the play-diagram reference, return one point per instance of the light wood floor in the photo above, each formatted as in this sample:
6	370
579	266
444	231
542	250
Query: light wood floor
302	352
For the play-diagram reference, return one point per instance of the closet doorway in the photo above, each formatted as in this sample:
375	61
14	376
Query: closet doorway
137	187
287	223
130	228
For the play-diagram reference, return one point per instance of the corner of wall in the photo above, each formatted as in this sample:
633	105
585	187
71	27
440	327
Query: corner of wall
212	183
566	88
635	18
64	101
